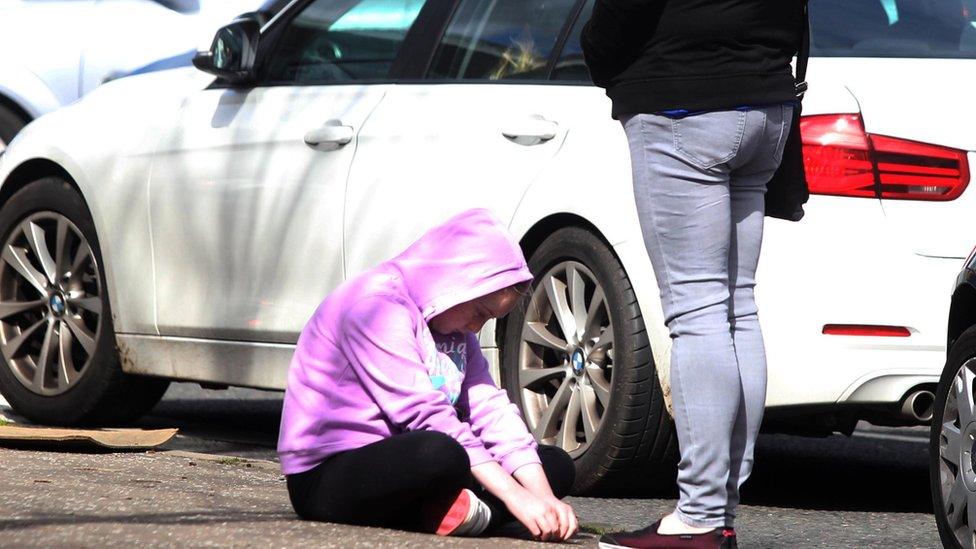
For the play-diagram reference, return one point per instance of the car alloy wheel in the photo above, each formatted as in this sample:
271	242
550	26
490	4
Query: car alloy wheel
566	358
57	335
577	361
952	444
50	304
957	450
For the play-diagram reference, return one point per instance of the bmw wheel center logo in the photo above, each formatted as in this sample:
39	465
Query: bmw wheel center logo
57	304
577	362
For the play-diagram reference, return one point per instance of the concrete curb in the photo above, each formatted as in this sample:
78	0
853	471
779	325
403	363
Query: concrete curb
224	460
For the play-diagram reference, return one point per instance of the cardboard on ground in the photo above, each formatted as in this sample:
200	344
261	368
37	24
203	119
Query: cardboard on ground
116	439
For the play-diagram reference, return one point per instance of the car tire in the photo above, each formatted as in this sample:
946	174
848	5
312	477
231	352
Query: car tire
621	436
952	480
10	124
53	297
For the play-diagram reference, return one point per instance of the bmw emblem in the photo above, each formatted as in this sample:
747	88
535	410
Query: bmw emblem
57	304
577	362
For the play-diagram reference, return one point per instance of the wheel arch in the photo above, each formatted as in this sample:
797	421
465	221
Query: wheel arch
539	231
536	235
962	313
626	244
32	170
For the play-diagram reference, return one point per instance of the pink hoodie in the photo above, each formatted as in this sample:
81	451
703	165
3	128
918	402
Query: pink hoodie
367	367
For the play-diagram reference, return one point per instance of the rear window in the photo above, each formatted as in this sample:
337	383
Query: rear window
893	28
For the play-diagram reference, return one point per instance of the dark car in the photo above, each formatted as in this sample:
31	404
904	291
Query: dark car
953	442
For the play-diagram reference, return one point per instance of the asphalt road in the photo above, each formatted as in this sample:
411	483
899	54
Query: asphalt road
869	490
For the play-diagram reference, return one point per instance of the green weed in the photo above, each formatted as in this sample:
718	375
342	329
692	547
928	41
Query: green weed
233	461
596	529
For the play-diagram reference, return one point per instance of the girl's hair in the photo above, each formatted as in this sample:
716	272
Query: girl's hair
523	289
524	292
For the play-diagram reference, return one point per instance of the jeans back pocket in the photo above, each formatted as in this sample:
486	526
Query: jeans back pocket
709	139
785	125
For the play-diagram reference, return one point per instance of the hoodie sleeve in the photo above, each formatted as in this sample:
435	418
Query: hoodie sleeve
612	38
493	417
379	339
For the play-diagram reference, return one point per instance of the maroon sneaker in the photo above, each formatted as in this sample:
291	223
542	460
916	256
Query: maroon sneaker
648	538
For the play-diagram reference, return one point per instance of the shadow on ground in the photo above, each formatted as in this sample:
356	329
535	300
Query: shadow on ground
260	417
182	519
838	473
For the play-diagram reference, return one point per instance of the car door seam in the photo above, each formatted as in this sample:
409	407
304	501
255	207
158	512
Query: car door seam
352	166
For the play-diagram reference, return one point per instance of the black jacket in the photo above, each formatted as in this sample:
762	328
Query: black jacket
658	55
655	55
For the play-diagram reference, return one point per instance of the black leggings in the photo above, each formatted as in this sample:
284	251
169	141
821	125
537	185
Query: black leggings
387	482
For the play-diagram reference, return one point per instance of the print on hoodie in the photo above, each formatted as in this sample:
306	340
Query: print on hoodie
447	365
367	366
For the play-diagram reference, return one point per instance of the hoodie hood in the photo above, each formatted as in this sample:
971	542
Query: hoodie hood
469	256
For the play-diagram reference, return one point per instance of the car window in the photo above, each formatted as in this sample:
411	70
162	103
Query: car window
893	28
570	66
500	39
341	41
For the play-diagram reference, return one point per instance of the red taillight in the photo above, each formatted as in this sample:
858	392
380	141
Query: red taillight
842	159
837	156
866	330
919	171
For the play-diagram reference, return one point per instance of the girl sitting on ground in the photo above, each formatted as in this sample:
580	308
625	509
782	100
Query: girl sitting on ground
391	417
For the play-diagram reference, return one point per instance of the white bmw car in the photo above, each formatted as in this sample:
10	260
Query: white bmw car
182	225
54	51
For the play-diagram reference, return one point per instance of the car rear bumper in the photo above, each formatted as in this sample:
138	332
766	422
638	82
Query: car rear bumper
841	269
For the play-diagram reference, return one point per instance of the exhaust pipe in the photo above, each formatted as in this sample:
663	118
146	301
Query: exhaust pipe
918	406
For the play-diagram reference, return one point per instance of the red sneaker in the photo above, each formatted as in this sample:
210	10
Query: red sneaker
462	515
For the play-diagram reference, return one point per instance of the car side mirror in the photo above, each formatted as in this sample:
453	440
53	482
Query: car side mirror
232	53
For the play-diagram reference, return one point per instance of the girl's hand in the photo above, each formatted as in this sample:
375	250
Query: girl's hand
540	516
534	505
533	478
568	523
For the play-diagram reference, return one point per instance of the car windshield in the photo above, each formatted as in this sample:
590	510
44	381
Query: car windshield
893	28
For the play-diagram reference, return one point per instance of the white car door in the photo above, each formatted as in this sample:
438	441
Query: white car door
475	132
247	190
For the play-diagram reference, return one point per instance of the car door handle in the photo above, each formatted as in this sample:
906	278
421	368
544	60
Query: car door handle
531	130
330	136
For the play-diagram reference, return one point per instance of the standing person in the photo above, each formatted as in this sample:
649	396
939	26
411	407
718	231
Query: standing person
706	96
391	417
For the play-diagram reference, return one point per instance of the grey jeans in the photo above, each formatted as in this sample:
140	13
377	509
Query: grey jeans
699	183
